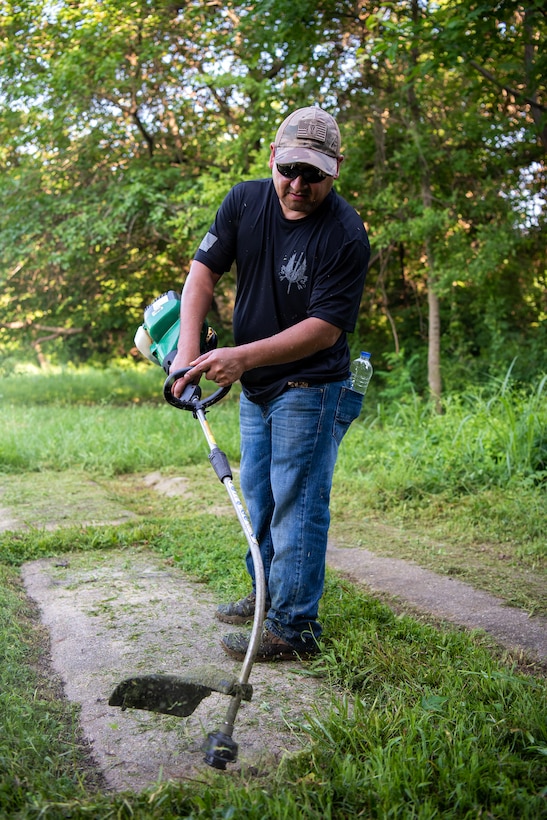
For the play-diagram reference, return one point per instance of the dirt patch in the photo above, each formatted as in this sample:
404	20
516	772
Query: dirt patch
71	498
48	501
7	522
181	487
117	614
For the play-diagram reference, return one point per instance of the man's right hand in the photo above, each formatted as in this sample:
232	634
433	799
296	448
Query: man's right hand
180	362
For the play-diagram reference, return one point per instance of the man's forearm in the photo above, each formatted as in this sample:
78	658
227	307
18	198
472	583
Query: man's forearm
197	296
296	342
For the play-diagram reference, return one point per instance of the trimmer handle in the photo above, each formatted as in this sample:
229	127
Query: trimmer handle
191	396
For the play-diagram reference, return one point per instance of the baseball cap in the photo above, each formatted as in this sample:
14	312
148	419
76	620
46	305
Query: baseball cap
311	136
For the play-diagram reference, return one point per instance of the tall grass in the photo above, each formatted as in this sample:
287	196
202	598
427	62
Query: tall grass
480	441
84	385
107	440
475	475
116	421
120	433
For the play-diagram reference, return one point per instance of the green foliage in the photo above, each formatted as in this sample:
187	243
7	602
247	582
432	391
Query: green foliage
446	210
122	132
490	438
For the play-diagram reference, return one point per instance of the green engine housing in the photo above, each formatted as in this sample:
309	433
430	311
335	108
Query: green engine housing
157	338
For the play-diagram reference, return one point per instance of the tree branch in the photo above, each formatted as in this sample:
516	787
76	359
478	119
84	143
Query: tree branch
55	331
512	91
148	139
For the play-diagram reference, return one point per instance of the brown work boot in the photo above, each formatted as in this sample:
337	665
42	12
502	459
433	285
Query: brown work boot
240	612
271	647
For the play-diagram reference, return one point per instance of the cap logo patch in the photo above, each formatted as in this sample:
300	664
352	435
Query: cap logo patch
312	130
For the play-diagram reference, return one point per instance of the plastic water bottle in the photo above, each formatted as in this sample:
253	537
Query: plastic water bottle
361	372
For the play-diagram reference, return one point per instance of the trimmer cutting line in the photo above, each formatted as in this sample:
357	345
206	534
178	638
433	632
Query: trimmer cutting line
173	694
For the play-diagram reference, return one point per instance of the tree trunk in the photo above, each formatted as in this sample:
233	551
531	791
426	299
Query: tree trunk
434	332
434	309
434	347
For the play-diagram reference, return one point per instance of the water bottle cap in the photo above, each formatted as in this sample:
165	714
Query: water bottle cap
365	354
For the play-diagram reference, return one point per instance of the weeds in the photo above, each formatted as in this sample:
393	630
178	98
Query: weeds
430	725
478	442
422	723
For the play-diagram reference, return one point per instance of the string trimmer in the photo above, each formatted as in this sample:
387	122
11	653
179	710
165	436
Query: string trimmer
172	694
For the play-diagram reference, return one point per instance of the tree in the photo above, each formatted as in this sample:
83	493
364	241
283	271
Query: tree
449	170
123	125
112	124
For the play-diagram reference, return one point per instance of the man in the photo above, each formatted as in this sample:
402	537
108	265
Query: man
301	253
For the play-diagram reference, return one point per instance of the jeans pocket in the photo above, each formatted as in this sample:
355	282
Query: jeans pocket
347	410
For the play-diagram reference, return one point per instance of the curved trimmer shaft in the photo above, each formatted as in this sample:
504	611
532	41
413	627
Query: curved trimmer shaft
221	748
191	400
222	469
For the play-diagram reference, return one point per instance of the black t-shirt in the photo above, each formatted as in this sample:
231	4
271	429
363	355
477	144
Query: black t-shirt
287	271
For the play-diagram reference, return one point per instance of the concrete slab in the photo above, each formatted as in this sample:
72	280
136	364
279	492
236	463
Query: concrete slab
117	614
444	597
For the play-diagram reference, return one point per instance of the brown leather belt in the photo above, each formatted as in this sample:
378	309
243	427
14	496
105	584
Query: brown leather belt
298	384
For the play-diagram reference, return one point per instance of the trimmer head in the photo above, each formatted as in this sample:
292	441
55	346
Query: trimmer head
176	695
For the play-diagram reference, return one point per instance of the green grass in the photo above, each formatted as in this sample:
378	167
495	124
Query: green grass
108	439
40	750
423	722
463	493
84	385
431	724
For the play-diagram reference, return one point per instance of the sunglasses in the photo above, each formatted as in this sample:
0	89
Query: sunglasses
307	172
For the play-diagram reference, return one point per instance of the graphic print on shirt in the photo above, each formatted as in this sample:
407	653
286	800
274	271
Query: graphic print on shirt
294	272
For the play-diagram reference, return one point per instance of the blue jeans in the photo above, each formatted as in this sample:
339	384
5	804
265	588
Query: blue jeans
288	454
